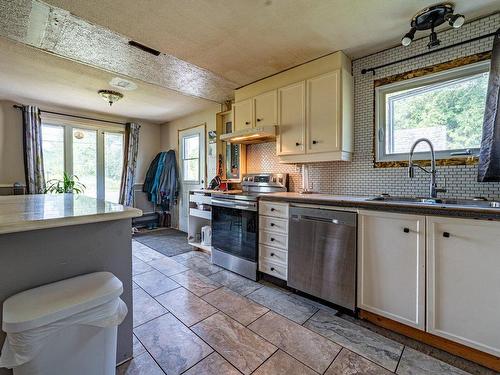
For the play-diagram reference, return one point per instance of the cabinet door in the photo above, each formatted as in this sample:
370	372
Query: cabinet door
265	109
323	113
391	266
463	282
243	115
291	117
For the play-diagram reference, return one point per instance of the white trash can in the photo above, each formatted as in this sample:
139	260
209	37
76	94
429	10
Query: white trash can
67	327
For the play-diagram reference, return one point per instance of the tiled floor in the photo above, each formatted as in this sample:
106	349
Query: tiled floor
191	317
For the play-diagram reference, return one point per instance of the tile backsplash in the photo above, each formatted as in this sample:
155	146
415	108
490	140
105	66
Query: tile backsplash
359	177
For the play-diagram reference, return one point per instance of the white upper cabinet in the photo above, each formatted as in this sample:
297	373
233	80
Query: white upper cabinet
463	282
291	117
312	104
265	107
324	128
243	115
391	266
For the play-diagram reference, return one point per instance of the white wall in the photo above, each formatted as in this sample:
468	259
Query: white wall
169	140
11	142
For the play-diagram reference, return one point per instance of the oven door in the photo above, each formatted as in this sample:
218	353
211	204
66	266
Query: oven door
234	228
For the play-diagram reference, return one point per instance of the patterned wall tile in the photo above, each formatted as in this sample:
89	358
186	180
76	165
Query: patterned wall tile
358	177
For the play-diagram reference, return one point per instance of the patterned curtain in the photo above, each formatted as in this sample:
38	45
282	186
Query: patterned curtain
489	156
129	163
33	157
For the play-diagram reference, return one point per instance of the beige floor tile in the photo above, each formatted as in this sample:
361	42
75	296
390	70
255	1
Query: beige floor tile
186	306
308	347
236	306
350	363
214	364
195	282
241	347
283	364
172	344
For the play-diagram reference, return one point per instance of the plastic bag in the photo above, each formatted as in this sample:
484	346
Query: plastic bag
22	347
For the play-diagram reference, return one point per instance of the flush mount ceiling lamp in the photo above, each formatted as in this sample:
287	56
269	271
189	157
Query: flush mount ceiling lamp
431	17
110	96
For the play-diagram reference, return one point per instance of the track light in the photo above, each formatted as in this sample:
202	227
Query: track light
431	17
455	20
408	38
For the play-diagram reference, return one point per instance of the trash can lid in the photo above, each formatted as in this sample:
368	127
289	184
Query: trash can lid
37	307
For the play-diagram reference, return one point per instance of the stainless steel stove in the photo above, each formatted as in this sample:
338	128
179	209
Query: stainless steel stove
235	223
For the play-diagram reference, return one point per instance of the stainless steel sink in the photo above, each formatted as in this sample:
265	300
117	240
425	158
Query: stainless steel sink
480	203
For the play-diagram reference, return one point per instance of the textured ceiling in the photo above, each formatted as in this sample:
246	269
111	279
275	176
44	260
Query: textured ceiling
29	75
57	31
245	40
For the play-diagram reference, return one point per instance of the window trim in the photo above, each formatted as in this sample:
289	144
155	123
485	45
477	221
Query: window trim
433	75
68	124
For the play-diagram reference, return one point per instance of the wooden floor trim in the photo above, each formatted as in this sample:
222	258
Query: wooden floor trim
471	354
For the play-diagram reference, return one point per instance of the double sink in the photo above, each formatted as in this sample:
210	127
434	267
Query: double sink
478	203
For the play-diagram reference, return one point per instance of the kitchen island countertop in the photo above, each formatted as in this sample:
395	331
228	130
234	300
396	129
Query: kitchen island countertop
19	213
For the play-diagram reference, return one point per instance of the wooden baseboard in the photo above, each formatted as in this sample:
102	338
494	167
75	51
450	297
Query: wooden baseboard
471	354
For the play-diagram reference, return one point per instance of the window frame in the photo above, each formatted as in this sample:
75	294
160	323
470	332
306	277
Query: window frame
380	101
68	124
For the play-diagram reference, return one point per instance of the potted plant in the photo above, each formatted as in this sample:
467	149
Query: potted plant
69	184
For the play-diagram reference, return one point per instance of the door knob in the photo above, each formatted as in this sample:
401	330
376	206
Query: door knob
272	224
259	119
272	209
297	144
272	268
314	142
272	239
247	122
446	235
406	230
272	254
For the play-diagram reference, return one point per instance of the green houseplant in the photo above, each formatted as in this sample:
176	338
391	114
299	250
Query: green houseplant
69	184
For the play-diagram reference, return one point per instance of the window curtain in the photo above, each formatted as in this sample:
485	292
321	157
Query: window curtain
489	156
33	156
131	146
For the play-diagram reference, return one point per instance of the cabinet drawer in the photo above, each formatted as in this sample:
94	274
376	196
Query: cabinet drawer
274	209
271	224
273	269
200	199
273	254
273	239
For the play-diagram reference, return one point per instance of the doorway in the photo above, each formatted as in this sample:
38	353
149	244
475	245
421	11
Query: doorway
192	168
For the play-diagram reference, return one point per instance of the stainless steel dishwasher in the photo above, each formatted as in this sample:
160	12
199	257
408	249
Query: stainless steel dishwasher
322	254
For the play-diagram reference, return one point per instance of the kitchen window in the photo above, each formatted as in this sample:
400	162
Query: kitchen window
94	155
445	107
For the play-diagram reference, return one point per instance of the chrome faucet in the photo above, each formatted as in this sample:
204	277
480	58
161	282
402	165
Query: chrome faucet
433	189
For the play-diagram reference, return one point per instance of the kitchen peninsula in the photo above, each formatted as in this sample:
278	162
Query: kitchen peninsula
46	238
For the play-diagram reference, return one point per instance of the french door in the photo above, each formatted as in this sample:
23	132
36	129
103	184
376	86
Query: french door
94	155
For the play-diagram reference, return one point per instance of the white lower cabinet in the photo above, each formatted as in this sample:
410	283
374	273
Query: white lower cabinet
273	239
391	266
463	281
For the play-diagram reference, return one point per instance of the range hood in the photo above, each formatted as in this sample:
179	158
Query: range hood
251	135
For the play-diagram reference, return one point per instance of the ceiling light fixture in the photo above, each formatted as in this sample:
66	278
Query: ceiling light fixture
431	17
110	96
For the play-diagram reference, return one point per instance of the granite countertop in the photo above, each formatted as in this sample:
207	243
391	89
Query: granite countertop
19	213
357	202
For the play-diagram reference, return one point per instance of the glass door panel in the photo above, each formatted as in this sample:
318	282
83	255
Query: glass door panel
113	164
85	159
53	151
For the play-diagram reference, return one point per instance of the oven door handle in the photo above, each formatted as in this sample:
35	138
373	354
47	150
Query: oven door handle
250	206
